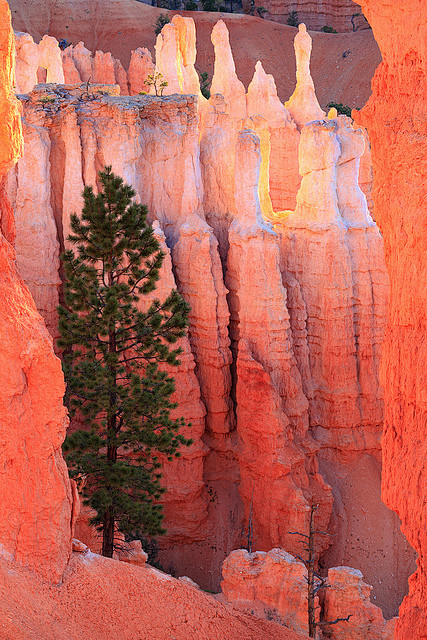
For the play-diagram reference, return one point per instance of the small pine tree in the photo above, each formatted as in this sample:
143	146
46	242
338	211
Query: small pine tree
204	85
315	582
112	352
292	19
160	23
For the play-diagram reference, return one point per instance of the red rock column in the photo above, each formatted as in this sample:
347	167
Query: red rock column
35	492
395	117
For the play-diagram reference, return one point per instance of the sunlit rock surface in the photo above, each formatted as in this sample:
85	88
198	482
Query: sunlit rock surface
36	501
395	117
288	289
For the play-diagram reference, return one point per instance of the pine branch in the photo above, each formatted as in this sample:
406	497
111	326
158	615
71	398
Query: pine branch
328	623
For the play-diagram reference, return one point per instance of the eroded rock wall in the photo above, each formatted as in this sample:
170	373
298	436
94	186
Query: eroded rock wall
280	377
395	118
36	498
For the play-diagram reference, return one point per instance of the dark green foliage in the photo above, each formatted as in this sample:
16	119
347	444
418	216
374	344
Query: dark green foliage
160	23
191	6
209	5
112	352
204	85
292	20
328	29
340	107
355	15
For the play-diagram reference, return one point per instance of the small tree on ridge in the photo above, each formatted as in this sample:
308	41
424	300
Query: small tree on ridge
112	352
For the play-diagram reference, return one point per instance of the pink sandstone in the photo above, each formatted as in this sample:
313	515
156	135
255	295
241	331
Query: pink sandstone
140	67
50	59
247	157
272	584
303	105
26	63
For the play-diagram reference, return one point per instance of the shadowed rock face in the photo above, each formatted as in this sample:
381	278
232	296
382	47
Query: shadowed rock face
395	117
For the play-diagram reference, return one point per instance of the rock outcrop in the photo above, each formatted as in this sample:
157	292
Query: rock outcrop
394	117
271	585
347	604
303	105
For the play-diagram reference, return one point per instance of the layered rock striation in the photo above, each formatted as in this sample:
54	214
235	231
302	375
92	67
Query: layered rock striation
284	272
395	117
36	499
340	15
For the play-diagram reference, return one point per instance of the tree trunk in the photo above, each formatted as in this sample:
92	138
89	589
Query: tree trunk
108	535
108	520
310	577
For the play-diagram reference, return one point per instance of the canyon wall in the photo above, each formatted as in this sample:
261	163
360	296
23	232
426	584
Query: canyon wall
270	240
395	117
36	498
93	597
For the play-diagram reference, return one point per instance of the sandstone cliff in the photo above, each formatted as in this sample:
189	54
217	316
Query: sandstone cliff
395	117
284	341
37	506
36	498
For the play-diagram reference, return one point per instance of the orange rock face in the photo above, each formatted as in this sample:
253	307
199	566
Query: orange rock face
286	325
347	595
272	585
395	117
35	494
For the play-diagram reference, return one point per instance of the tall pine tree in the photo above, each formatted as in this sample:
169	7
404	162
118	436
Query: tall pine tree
112	353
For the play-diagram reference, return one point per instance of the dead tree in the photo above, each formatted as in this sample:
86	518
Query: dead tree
315	582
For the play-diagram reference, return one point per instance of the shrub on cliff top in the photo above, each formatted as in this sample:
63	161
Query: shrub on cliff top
160	23
341	108
112	353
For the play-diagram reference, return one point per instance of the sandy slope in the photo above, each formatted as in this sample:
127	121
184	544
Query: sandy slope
103	599
122	25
